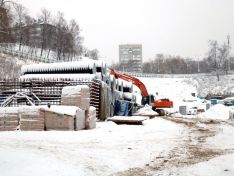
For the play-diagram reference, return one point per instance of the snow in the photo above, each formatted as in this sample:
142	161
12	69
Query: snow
85	77
102	151
83	64
68	110
28	109
68	91
146	110
217	111
176	89
127	118
220	166
57	66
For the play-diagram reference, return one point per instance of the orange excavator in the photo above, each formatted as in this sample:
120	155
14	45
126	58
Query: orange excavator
157	105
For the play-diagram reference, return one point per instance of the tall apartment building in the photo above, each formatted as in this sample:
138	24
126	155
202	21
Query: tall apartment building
130	57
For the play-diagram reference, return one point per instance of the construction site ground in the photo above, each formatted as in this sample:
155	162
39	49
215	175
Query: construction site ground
161	146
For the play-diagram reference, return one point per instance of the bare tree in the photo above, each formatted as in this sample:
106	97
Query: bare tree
93	54
217	57
4	2
45	17
61	26
76	39
20	13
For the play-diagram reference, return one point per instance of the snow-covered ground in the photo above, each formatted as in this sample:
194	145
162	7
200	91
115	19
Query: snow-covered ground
106	150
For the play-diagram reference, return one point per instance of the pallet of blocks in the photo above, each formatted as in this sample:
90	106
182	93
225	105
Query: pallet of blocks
90	118
76	96
60	117
8	121
31	119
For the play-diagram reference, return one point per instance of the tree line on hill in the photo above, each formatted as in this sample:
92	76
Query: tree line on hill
47	32
217	61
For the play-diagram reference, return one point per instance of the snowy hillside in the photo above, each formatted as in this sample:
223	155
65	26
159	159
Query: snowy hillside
209	84
10	66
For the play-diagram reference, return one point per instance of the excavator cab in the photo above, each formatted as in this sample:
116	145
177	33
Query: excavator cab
149	99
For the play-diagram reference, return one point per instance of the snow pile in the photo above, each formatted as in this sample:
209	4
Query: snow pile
146	111
218	111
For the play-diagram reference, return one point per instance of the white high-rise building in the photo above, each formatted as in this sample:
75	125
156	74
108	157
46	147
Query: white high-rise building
130	57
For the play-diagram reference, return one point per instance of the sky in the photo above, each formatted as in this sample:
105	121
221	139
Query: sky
175	27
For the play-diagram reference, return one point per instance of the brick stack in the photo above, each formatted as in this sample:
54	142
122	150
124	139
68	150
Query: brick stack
9	121
76	96
32	121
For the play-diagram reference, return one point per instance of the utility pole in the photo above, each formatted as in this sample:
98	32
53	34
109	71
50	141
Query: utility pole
228	53
198	66
158	66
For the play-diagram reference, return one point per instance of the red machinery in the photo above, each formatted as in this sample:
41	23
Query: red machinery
146	98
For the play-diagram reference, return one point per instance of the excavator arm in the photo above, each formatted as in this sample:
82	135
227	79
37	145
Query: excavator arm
134	80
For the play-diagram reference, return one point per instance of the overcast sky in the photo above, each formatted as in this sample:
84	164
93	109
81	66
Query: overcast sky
176	27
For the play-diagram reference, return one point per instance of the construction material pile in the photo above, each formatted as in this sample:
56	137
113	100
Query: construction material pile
40	118
24	118
8	122
58	117
31	119
76	96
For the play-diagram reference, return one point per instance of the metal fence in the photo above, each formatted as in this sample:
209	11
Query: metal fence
151	75
10	49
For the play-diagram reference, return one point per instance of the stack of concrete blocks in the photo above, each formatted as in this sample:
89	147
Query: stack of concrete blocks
58	121
80	96
31	119
76	96
9	121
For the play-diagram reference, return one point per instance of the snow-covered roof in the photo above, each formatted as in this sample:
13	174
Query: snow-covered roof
75	77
